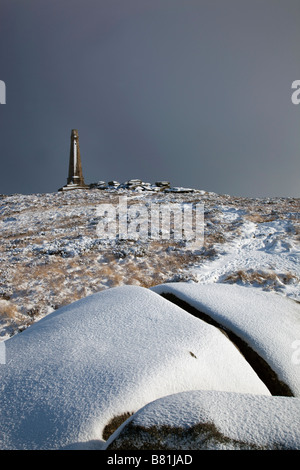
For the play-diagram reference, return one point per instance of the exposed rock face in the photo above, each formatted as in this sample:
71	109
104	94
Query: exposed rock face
113	183
162	184
98	185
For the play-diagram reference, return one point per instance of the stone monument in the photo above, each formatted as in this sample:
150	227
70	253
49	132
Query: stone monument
75	179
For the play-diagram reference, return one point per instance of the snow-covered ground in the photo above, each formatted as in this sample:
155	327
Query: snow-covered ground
110	354
69	374
89	338
51	255
265	253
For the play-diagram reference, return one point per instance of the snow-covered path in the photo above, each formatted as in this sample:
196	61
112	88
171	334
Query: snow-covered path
262	252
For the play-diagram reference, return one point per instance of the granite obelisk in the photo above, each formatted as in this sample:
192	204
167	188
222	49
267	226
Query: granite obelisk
75	178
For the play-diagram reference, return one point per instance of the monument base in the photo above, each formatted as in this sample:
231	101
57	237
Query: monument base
70	187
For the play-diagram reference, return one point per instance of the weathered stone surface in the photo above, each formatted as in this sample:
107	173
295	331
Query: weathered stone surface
99	185
113	183
163	184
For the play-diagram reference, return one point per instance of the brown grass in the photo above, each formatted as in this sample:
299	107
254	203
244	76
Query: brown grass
250	277
8	310
165	437
261	218
114	423
260	277
54	281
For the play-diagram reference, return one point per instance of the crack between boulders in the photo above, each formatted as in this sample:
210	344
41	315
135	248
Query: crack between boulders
258	364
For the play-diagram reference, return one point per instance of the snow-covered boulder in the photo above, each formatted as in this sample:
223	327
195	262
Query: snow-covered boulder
212	420
268	323
70	373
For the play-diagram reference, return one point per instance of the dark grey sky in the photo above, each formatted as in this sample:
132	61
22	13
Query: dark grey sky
197	92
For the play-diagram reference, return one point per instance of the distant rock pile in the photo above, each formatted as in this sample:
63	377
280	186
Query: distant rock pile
139	185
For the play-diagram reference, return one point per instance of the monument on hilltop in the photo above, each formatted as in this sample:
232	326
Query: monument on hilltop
75	179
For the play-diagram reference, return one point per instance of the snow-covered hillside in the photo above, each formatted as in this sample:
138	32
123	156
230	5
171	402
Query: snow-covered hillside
51	254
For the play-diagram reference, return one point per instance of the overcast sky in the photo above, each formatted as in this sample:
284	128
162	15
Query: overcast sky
196	92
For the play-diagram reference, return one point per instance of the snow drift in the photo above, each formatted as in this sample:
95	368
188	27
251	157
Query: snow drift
70	373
